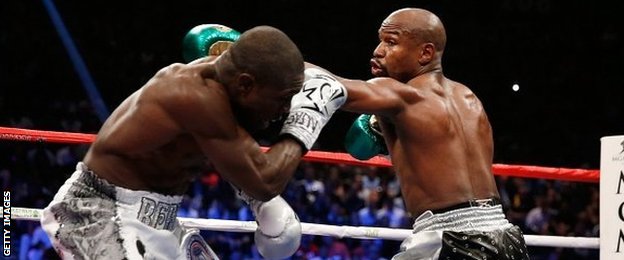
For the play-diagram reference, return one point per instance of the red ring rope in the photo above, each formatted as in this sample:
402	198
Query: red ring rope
527	171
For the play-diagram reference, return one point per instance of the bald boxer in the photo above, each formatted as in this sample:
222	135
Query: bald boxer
122	200
440	142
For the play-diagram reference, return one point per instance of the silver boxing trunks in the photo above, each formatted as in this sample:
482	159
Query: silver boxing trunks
90	218
476	231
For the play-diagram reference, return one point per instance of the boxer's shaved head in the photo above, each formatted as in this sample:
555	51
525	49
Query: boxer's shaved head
269	55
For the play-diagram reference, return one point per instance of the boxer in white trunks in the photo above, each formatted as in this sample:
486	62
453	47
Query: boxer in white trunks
122	200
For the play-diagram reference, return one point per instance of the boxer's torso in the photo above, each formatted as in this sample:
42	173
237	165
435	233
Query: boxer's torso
441	146
142	146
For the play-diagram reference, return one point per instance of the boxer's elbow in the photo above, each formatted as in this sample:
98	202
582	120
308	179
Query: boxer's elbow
274	180
266	196
274	170
264	192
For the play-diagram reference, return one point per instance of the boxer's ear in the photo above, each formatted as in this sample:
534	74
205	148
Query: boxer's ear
427	52
245	83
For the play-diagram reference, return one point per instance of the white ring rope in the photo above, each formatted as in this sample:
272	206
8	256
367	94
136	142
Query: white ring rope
336	231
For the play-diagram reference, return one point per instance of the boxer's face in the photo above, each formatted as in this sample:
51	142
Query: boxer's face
397	53
267	104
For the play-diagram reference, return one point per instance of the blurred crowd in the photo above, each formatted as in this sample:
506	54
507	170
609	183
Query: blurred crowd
320	193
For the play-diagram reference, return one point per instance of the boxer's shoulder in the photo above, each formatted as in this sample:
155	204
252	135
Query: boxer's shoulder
178	75
172	69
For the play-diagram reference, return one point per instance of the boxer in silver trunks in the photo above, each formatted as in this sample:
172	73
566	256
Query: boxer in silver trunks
104	221
122	201
440	142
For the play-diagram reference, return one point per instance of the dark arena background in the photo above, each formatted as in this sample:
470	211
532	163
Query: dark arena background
549	73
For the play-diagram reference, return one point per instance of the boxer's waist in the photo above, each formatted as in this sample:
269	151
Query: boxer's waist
479	218
470	203
156	210
102	188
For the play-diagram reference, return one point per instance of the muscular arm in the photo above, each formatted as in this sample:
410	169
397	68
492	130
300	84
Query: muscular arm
238	158
383	96
205	113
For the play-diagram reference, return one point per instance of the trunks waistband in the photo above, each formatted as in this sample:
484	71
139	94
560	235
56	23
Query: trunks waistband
89	178
484	218
153	209
467	204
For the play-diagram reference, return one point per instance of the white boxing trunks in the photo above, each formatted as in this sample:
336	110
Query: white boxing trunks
471	232
90	218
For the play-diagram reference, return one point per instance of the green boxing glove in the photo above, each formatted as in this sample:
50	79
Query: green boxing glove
207	39
364	139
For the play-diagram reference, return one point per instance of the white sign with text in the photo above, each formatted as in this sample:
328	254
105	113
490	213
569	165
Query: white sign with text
612	197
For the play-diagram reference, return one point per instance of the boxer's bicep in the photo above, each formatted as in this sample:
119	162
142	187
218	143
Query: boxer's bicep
205	114
208	117
238	159
381	96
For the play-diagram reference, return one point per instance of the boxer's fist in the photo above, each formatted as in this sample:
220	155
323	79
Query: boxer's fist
311	108
364	139
207	39
278	235
279	231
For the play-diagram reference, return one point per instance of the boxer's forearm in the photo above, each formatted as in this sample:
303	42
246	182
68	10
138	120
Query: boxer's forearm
282	160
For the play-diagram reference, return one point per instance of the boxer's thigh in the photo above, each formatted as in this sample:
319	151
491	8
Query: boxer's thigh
422	245
87	229
498	244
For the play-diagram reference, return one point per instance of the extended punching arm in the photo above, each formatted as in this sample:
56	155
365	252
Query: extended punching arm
311	108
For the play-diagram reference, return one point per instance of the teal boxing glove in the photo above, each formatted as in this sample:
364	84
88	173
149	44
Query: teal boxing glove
364	139
207	39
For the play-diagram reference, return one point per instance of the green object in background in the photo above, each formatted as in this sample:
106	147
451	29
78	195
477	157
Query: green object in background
207	39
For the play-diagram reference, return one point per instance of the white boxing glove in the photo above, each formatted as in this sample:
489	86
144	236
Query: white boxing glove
279	230
278	235
311	108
